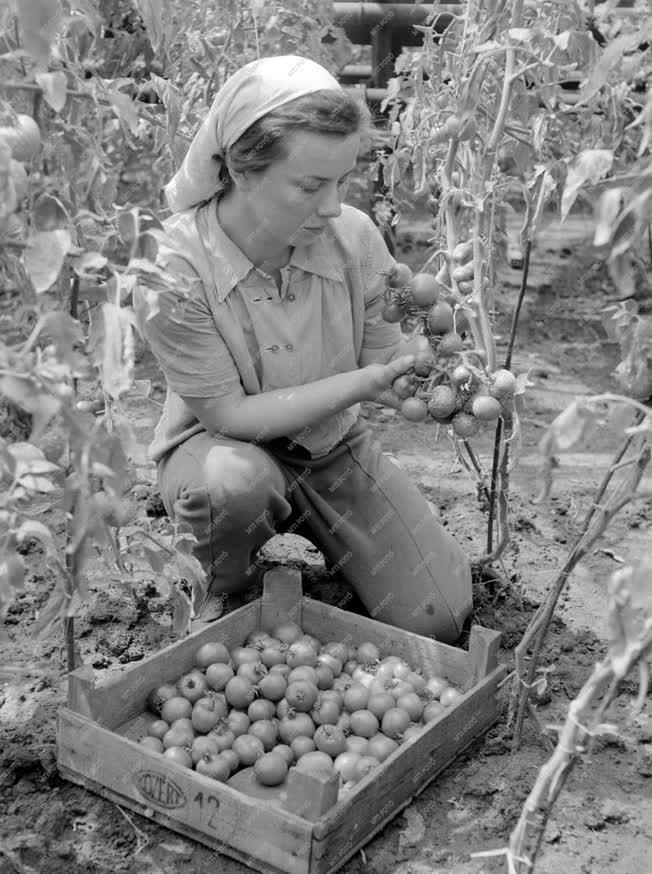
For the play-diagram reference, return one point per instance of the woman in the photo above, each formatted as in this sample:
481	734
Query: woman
269	343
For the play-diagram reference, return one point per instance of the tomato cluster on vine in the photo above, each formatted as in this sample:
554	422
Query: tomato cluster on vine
449	382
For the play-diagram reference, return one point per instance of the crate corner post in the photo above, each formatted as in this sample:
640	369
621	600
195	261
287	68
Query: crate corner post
81	689
282	597
484	644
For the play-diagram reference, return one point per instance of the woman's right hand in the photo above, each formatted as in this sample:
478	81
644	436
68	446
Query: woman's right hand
379	377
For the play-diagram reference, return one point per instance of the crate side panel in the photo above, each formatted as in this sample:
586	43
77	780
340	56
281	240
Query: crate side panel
121	697
182	828
430	656
354	820
277	837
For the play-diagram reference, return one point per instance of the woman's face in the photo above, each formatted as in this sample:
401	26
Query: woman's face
292	200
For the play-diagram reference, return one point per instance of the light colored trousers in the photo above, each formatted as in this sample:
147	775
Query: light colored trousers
356	506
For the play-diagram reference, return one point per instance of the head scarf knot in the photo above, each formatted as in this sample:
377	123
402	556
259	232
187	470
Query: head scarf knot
254	90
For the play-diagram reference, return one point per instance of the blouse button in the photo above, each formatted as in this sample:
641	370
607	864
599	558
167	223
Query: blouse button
274	348
290	347
291	297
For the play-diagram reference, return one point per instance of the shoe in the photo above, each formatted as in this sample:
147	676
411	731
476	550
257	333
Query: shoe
215	606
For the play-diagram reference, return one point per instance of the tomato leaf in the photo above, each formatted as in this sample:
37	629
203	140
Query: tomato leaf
55	88
39	22
44	257
157	16
589	166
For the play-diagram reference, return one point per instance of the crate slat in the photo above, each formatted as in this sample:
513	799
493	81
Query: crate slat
378	798
261	832
120	697
433	657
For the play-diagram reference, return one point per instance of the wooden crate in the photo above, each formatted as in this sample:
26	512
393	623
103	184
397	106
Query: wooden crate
97	741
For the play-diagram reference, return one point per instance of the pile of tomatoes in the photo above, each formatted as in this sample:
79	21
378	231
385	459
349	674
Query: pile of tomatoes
448	382
286	699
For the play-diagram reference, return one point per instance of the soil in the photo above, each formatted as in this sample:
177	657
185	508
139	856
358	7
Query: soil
603	819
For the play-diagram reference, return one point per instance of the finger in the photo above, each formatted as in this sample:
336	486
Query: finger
400	365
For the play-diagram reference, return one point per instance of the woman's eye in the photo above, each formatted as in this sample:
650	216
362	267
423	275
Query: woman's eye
312	189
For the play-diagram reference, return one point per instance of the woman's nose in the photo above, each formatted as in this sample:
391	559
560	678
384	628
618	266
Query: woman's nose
331	206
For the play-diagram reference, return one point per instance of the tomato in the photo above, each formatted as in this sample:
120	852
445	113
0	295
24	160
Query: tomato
159	695
449	696
356	744
152	743
326	712
412	731
302	745
424	362
203	746
350	666
252	671
392	312
362	677
291	727
284	670
304	672
179	755
435	686
381	747
218	675
338	650
330	739
20	179
23	138
414	410
432	710
178	736
464	425
206	713
463	272
212	653
440	318
463	252
239	693
231	759
301	653
273	655
400	276
394	722
416	680
345	765
364	766
301	695
283	709
325	677
271	769
332	695
400	687
331	662
285	751
450	344
287	632
261	708
486	408
176	708
193	686
248	748
461	375
364	723
223	737
316	762
241	655
503	384
313	641
157	728
423	289
368	653
379	703
272	687
356	697
344	722
266	731
238	722
259	639
214	766
412	704
342	683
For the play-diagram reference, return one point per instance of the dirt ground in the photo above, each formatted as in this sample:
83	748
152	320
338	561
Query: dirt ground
603	820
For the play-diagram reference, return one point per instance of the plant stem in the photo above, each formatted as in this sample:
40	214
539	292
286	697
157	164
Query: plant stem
538	627
519	304
493	484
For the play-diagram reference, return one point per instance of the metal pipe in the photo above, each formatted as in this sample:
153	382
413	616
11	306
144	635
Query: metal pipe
361	20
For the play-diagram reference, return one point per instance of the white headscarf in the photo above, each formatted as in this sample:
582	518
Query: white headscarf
247	95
